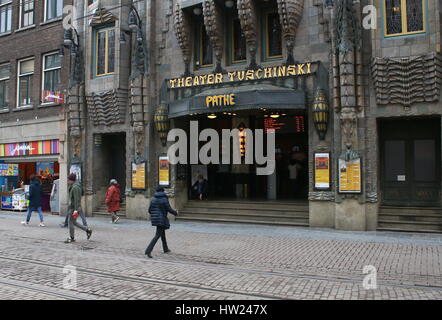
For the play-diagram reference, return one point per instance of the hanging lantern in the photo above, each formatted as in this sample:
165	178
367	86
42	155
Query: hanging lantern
242	139
162	124
321	113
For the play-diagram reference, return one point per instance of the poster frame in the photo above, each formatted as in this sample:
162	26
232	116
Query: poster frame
162	157
360	175
329	172
143	163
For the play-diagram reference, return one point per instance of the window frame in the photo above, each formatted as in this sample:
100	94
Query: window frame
106	63
18	82
404	20
43	73
266	38
232	42
45	15
10	5
199	44
8	78
20	20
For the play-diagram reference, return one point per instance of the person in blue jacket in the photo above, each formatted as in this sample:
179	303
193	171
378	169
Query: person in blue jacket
35	197
158	209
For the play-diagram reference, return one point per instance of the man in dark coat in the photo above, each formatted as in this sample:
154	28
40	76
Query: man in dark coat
200	188
35	196
158	209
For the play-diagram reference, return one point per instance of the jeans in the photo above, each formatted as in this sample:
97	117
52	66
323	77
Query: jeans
32	209
161	233
72	222
83	218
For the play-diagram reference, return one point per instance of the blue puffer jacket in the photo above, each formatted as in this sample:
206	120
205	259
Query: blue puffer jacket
158	209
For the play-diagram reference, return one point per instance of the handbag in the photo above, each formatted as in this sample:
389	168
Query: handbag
75	214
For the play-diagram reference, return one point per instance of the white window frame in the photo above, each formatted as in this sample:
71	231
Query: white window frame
46	11
5	78
44	70
6	4
20	26
18	81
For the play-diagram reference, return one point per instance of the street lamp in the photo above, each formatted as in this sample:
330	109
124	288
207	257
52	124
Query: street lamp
321	113
162	123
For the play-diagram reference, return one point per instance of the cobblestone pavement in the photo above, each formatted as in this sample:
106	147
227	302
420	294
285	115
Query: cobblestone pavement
214	261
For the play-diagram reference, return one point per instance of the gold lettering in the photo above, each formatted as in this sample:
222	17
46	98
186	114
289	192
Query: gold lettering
210	79
172	83
209	100
259	74
180	83
274	71
188	81
241	75
232	101
203	79
226	100
196	81
250	75
282	71
219	78
291	70
309	65
232	76
267	73
301	68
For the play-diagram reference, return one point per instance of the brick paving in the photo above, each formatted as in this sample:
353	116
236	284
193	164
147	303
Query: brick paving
215	261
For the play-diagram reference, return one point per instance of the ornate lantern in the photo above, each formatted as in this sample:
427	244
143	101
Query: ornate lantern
321	113
162	124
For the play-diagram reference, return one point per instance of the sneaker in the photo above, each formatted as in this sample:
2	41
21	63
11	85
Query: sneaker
167	251
89	233
25	223
116	219
41	224
69	240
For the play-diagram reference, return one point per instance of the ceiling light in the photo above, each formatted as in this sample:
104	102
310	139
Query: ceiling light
230	3
274	116
212	116
197	11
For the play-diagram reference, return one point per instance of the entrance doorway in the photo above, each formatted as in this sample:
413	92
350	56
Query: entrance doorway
410	155
240	182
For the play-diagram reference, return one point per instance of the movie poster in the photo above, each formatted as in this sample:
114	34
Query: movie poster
322	171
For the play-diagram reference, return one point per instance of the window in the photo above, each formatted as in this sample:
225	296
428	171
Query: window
25	77
205	50
5	71
5	15
404	17
53	9
26	13
105	52
239	47
273	35
51	92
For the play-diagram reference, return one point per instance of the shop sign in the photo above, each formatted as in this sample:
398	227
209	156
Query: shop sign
53	97
350	180
220	100
244	75
139	176
8	170
164	171
322	171
30	148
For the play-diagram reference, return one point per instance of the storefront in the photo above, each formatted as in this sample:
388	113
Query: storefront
19	162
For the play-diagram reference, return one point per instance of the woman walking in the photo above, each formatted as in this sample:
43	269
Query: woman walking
113	199
158	209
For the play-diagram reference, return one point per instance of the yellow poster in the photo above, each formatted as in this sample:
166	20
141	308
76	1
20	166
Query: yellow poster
350	176
164	171
322	171
139	176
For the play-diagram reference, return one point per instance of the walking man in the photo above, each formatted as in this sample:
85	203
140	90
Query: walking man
35	196
113	199
158	209
82	215
74	209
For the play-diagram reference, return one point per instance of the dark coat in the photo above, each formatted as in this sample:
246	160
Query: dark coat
158	209
35	194
113	198
204	188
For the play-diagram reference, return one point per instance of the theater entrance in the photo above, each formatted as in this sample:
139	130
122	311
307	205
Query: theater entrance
241	182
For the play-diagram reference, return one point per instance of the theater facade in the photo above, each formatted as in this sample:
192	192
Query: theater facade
350	90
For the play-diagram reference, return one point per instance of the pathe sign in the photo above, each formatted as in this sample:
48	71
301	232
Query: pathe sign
244	75
220	100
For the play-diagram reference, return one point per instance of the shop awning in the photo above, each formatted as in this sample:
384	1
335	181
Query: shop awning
247	97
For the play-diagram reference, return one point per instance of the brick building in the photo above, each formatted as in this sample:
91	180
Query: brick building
34	79
340	81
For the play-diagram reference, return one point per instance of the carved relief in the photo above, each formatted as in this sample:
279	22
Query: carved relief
107	108
213	21
290	14
182	32
102	16
248	18
407	80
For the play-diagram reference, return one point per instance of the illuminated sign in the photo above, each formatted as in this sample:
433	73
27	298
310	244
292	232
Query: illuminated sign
221	100
244	75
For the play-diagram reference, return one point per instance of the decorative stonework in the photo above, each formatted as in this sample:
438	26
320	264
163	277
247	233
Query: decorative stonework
407	80
321	196
137	93
213	21
75	102
247	14
182	33
107	108
290	15
102	16
372	197
164	33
